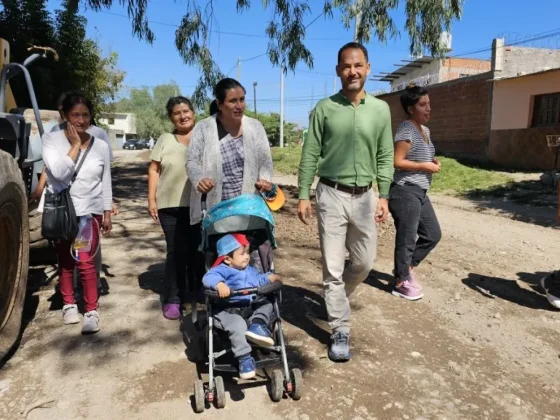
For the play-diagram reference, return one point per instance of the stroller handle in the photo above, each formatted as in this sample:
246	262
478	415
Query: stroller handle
204	206
203	203
263	290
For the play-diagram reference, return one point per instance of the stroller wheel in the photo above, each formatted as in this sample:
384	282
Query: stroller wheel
297	383
199	400
220	392
276	385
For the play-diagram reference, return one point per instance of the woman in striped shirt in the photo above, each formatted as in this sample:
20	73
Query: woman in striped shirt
418	230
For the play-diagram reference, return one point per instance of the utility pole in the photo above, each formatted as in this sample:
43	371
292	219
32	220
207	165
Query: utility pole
334	86
255	97
239	69
282	105
358	9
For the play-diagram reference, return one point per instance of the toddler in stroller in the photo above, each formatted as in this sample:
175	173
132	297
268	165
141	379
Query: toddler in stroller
232	271
242	296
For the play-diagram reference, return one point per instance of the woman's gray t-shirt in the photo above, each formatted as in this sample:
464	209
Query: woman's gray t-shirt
419	151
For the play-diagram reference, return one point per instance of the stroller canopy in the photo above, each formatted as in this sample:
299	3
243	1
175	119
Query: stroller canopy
242	213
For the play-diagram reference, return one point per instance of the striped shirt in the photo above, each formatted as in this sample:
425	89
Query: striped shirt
233	159
419	151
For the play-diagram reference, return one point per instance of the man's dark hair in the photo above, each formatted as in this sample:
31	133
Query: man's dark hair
411	96
177	100
352	46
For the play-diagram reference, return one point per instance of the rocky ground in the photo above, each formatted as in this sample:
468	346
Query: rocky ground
483	343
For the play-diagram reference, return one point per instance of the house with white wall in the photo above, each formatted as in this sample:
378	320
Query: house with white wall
122	126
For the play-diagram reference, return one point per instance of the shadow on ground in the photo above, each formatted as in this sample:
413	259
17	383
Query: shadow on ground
152	279
510	290
381	281
527	201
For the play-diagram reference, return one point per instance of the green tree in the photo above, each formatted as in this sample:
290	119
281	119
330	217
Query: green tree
81	65
271	124
149	107
425	21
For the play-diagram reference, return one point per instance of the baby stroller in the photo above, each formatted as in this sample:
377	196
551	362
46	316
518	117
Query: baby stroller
247	214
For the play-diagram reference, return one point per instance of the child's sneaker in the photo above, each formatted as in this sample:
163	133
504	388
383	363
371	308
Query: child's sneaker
260	335
70	314
247	367
91	322
407	291
551	286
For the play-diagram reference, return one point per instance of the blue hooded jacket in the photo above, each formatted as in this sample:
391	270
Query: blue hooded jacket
235	279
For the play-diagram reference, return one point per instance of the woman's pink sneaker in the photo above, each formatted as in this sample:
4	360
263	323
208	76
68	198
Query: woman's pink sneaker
407	291
412	280
171	311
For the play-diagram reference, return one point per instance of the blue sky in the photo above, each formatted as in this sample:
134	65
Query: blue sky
160	62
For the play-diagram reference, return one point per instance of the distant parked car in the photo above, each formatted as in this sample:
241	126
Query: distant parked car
143	144
131	145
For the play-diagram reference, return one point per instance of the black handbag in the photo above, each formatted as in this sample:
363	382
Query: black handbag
59	216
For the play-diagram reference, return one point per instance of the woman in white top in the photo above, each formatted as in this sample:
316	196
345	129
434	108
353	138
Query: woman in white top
91	194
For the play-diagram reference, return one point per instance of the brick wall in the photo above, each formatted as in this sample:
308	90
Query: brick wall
459	122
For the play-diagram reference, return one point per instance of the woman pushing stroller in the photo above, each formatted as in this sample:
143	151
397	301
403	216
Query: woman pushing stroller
232	271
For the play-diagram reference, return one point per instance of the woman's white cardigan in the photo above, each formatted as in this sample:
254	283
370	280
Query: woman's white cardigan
205	160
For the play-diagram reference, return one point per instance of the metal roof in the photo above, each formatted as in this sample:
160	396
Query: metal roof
403	70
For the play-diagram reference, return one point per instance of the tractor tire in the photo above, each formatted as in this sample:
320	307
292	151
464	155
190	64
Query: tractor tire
41	251
14	251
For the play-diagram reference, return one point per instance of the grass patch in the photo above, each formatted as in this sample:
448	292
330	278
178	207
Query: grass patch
454	178
458	178
286	159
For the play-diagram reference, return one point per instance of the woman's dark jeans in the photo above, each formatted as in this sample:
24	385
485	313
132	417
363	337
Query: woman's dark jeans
418	230
183	261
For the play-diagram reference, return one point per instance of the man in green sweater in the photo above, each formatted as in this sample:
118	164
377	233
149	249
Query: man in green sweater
350	144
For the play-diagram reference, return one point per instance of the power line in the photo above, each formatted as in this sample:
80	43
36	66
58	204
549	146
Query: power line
314	72
314	20
255	57
155	22
537	37
230	70
128	86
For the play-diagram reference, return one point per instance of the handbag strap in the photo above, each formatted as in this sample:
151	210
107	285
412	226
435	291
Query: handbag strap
82	161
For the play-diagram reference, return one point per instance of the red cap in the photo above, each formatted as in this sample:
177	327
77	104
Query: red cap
241	240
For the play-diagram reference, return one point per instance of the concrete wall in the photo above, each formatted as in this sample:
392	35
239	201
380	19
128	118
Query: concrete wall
516	61
512	104
460	115
513	142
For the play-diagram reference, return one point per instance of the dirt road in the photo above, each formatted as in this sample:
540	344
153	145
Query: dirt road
459	353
